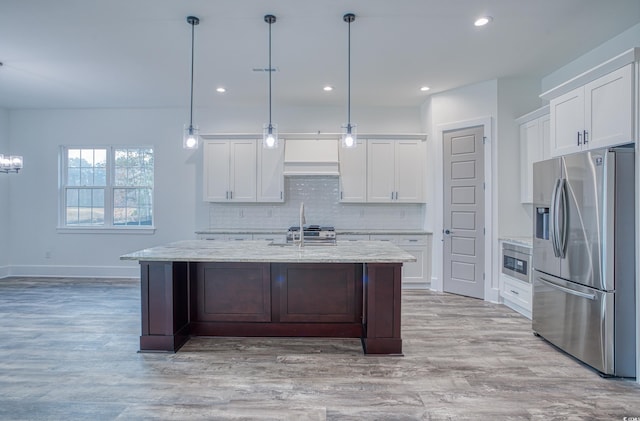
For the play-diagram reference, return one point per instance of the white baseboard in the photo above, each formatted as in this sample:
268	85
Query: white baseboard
72	271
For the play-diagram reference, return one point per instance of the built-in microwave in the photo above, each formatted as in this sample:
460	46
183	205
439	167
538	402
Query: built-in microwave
516	261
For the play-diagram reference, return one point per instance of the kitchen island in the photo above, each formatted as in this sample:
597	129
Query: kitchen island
256	288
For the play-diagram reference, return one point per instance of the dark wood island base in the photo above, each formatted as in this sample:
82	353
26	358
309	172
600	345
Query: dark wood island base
334	300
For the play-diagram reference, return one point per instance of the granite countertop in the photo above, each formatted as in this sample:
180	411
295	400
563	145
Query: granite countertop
261	251
343	231
519	241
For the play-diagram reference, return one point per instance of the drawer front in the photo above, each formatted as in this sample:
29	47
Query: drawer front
516	291
270	237
411	240
352	237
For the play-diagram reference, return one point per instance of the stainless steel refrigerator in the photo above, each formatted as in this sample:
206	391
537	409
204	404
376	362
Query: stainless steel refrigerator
584	257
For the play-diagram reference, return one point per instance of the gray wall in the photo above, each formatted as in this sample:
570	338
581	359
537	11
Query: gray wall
516	97
609	49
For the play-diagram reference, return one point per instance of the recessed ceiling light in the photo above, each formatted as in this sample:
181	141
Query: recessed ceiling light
425	88
483	21
221	90
328	88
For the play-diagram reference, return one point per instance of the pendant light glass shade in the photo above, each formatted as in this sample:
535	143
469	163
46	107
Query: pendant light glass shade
349	135
190	136
270	136
270	130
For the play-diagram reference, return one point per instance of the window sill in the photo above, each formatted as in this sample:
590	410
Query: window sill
106	230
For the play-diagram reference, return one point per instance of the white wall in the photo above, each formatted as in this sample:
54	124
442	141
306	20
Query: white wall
179	209
4	194
473	103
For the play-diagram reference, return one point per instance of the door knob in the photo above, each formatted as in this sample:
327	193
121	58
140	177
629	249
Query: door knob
448	232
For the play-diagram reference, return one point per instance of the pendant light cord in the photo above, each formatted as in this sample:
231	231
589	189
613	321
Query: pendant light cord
349	81
349	17
193	23
270	74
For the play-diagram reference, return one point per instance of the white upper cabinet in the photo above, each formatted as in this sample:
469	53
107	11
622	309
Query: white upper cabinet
270	182
229	170
395	171
534	147
353	173
596	115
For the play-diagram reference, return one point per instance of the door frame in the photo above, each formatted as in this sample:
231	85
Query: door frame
491	285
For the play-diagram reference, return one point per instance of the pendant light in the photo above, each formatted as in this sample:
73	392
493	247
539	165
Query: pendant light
349	130
190	134
270	130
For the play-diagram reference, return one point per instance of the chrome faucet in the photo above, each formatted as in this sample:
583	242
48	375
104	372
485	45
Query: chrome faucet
302	222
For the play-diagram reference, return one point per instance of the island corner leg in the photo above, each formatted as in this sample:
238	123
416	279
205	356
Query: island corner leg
382	310
165	305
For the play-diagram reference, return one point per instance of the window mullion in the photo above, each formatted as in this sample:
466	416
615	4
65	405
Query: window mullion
108	188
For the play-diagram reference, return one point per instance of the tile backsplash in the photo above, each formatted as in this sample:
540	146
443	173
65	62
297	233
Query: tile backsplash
320	198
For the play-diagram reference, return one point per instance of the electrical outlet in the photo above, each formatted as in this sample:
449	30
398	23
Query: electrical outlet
361	213
269	213
241	213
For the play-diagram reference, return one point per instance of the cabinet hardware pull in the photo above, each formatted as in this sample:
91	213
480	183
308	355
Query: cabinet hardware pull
515	292
391	195
586	137
579	138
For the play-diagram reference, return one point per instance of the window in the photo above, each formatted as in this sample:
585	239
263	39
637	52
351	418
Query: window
107	187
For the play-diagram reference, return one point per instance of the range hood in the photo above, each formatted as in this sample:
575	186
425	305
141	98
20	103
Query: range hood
311	157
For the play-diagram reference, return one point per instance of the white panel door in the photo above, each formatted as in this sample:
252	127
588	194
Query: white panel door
463	163
380	171
216	171
242	184
409	171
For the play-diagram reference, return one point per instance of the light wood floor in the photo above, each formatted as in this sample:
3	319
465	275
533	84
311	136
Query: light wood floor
68	352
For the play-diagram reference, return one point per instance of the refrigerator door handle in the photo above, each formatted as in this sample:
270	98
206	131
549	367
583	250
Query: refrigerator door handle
568	290
562	238
553	226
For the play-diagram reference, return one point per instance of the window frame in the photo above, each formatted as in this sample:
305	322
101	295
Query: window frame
109	192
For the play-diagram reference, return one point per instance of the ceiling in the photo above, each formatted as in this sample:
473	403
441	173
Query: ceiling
136	53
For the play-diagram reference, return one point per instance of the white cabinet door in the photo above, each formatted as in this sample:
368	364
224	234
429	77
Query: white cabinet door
380	171
609	109
544	131
567	122
395	171
353	173
596	115
216	171
534	138
270	174
229	171
409	171
242	187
